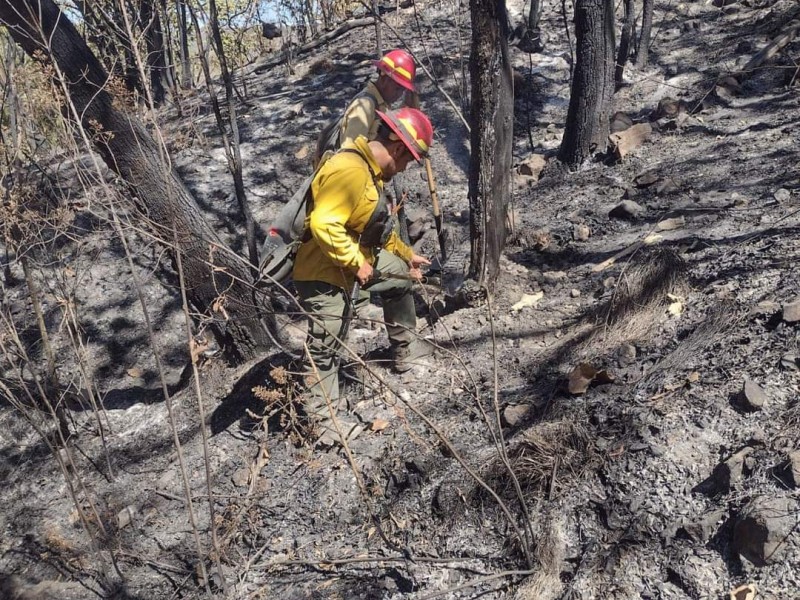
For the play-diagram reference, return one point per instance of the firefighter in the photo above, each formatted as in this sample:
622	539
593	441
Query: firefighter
396	72
349	235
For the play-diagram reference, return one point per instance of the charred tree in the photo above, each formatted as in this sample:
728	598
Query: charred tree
586	131
217	280
643	45
183	27
156	51
492	121
625	41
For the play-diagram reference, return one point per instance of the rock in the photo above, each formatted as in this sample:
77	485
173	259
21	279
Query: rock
633	137
791	311
620	122
669	108
241	477
760	533
630	192
782	195
702	529
646	179
752	396
125	516
533	166
627	210
626	354
575	293
666	186
554	276
514	414
581	232
726	475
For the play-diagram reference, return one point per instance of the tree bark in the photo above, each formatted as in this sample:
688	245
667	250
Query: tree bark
643	46
491	137
625	42
216	278
593	83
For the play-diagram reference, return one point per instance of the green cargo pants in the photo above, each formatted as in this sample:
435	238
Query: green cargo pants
326	305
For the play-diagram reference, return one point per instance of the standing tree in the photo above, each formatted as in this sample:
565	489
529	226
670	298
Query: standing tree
492	118
592	84
643	46
628	25
217	280
183	28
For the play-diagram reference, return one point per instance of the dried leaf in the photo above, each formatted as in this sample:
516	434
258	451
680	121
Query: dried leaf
135	372
676	309
693	377
302	153
379	425
69	272
527	300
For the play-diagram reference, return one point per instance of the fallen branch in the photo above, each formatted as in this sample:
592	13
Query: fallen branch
770	50
315	43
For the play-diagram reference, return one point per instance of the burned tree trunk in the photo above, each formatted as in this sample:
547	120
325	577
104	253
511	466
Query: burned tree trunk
593	83
216	279
492	128
156	51
643	46
183	27
625	42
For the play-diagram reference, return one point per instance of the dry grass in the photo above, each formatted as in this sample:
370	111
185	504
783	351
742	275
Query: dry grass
640	299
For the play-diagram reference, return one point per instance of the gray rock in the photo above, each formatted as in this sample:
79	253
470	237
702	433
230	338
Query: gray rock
627	210
791	311
730	473
782	195
761	531
752	397
626	354
701	530
514	414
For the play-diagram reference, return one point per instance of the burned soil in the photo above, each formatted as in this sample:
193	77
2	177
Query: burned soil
619	419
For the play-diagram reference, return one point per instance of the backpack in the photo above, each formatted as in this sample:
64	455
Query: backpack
284	235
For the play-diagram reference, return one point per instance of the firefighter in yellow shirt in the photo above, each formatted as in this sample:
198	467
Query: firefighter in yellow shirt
348	236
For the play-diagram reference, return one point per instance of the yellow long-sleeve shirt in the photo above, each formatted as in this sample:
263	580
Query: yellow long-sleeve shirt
360	116
345	196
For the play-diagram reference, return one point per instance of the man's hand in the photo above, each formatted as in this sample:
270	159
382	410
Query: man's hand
414	266
364	273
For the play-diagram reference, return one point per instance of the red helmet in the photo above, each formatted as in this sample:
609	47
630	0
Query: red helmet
399	65
412	127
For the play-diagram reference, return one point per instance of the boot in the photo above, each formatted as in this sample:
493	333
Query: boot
415	354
